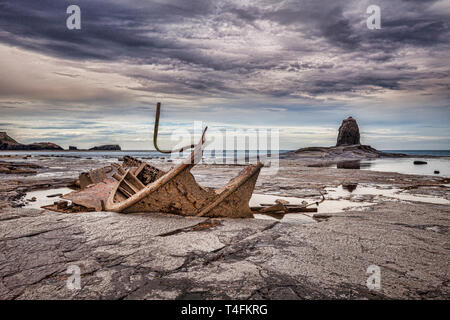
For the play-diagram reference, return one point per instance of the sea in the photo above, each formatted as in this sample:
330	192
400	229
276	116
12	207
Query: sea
439	167
206	153
438	153
146	154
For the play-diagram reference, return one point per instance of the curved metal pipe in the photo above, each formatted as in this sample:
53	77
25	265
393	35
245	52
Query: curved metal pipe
155	134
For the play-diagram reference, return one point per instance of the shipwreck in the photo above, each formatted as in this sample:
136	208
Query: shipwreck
176	191
135	186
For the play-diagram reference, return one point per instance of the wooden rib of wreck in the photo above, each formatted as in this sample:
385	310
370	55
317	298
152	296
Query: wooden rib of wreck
177	191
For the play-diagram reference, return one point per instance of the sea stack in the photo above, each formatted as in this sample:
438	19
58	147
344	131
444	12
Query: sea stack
348	133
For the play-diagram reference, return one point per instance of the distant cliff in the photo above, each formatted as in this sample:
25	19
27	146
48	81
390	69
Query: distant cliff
8	143
107	147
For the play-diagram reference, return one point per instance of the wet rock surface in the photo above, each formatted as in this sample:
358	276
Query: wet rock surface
164	257
155	256
18	168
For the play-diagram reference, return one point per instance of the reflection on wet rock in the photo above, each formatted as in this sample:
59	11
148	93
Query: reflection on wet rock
353	164
350	187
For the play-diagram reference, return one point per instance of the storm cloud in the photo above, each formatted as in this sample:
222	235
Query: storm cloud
217	56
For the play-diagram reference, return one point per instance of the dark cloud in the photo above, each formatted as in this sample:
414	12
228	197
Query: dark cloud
212	47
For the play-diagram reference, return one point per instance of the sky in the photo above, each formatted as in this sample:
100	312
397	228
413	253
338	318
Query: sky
299	67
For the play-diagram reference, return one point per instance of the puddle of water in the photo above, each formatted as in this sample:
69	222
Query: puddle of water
379	192
292	217
336	206
300	218
340	199
56	174
258	199
405	166
328	206
42	199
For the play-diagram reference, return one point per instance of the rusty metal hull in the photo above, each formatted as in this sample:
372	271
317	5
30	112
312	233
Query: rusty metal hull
177	192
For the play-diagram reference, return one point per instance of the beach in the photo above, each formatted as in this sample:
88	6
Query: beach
397	222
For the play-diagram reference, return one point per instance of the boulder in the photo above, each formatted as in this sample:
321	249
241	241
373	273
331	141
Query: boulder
348	133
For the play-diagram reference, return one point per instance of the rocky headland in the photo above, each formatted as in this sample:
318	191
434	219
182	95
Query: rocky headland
8	143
